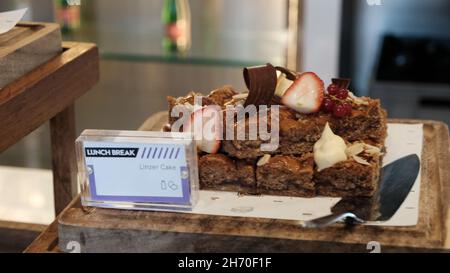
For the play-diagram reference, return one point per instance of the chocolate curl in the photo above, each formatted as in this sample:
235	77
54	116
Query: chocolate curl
342	83
261	82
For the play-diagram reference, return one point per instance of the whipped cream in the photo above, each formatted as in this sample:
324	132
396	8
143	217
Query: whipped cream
329	149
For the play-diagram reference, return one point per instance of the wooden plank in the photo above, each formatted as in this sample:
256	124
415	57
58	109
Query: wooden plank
22	226
63	135
13	36
15	236
46	91
47	241
25	47
15	240
120	230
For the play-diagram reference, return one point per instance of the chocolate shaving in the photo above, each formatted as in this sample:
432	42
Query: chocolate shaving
207	101
276	100
342	83
261	82
167	127
290	75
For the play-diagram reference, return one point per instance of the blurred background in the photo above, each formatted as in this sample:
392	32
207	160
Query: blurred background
396	50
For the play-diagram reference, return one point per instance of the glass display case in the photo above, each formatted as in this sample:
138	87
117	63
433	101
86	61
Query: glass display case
139	71
229	33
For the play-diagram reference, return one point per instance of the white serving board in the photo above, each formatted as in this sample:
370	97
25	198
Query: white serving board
402	140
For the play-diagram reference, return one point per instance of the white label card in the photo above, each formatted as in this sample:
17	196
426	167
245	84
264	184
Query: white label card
137	172
9	19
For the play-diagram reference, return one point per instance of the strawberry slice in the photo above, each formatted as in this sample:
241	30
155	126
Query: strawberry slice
206	125
305	95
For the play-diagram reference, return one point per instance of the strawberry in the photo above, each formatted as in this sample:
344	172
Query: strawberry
305	95
206	126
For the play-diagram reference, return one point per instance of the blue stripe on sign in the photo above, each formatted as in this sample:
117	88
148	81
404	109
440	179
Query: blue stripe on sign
154	153
160	152
176	155
149	151
167	149
143	152
171	152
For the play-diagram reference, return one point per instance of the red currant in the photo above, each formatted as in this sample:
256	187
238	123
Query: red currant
332	89
339	111
348	108
342	94
328	105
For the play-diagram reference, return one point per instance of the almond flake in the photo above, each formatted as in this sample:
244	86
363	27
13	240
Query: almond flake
360	160
240	96
357	100
355	149
189	106
263	160
370	149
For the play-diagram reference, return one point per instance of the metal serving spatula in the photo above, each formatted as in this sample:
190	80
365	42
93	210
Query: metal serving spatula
396	181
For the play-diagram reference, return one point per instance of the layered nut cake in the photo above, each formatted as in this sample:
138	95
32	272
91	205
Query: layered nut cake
329	141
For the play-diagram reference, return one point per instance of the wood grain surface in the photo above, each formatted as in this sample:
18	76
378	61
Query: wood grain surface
48	93
25	47
107	230
63	135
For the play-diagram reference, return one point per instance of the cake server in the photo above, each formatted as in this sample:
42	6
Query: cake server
396	181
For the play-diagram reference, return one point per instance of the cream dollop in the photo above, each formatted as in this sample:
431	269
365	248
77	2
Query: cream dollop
329	149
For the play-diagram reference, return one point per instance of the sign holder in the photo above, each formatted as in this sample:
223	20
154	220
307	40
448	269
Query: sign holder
137	170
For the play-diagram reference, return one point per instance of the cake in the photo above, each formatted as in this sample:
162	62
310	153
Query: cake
328	143
286	175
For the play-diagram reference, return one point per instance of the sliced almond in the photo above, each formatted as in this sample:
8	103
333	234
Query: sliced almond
189	106
263	160
240	96
230	102
355	149
282	85
357	100
360	160
372	150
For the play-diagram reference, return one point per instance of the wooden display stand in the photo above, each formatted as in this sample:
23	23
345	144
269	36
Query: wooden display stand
25	47
108	230
48	93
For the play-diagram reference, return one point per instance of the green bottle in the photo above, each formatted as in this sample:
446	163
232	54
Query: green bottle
67	15
176	20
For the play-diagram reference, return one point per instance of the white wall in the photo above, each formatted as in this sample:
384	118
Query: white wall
321	37
38	10
399	17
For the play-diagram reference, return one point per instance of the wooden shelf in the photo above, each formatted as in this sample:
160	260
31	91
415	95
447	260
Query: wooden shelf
144	231
48	93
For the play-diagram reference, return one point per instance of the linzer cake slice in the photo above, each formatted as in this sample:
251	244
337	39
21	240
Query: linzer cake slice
322	141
